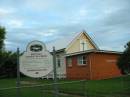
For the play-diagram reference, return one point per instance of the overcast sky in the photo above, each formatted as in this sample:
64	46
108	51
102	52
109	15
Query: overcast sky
106	21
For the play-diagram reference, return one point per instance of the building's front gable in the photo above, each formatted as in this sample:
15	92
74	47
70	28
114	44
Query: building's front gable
81	43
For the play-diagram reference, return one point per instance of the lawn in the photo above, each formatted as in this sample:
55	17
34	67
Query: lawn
116	87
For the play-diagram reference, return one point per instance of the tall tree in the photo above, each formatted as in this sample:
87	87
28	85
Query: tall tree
124	60
2	54
2	37
7	58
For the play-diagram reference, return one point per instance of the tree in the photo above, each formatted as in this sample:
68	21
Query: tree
8	64
8	61
124	60
2	37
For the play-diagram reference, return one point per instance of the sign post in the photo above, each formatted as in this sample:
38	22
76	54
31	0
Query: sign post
18	74
55	73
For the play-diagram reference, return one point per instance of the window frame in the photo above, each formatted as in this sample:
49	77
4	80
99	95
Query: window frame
58	61
81	60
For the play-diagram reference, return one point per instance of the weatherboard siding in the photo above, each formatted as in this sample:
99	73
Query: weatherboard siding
61	71
75	45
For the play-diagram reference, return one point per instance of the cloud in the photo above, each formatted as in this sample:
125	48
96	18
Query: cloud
79	16
53	30
48	32
4	12
21	36
15	23
39	5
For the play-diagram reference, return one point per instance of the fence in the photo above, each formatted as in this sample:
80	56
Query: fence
48	90
118	87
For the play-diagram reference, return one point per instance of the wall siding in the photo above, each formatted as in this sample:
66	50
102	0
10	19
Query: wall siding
101	68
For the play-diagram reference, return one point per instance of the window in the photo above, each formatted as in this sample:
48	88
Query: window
82	60
69	62
58	61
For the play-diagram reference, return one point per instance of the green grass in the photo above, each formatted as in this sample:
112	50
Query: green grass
116	87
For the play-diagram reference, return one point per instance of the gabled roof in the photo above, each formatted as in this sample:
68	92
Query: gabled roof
89	38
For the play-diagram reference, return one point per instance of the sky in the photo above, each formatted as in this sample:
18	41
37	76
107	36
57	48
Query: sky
106	21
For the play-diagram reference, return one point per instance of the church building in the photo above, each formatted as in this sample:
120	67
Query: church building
82	59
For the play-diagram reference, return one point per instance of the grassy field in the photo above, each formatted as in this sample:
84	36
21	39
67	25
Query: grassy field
116	87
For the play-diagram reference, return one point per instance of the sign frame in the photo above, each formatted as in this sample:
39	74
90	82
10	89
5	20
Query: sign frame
36	61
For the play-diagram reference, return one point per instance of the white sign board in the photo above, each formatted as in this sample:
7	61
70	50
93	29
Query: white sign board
36	61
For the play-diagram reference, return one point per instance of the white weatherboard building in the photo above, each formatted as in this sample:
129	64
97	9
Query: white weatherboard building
64	47
60	65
